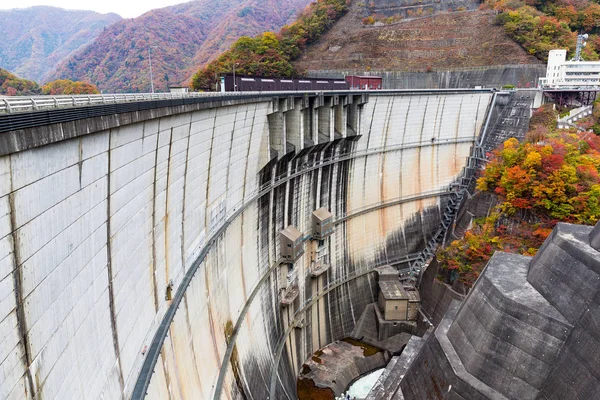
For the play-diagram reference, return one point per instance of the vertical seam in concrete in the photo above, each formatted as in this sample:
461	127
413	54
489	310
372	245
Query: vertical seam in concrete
18	282
457	131
420	202
80	162
187	159
401	177
212	141
154	283
318	312
166	217
372	119
382	161
111	293
229	160
163	359
189	326
435	149
248	154
244	289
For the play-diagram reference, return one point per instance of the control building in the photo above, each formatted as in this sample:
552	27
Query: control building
561	73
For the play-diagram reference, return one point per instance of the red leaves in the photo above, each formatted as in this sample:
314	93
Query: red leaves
552	163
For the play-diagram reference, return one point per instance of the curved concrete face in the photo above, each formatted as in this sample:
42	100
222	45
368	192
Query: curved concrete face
100	232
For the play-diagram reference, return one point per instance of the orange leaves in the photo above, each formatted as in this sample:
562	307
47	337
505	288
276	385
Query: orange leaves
542	233
65	86
541	184
547	177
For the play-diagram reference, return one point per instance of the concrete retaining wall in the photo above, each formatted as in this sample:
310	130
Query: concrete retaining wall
97	228
527	330
394	8
494	76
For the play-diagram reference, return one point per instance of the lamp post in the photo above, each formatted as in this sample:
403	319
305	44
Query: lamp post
234	81
150	62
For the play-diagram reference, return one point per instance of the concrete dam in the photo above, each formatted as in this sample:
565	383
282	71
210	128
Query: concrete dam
141	250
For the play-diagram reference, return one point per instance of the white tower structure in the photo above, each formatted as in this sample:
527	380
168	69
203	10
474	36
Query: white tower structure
562	74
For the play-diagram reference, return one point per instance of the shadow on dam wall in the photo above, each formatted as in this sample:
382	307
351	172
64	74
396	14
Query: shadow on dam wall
334	314
329	305
492	76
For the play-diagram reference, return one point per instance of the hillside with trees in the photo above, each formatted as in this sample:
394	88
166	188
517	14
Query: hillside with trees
67	87
540	26
181	38
36	39
399	35
271	54
552	177
11	85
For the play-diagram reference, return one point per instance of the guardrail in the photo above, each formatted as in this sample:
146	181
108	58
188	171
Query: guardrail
15	104
11	105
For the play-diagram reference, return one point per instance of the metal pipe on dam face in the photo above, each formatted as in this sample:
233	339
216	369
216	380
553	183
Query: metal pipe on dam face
141	252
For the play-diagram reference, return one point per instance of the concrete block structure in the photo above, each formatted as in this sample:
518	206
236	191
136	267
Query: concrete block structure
397	304
527	330
292	244
322	223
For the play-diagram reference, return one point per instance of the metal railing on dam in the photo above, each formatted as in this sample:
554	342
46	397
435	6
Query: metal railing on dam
15	104
17	113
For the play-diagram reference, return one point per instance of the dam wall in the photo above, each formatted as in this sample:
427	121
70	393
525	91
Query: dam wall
141	251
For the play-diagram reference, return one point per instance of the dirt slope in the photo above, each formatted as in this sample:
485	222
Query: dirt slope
444	41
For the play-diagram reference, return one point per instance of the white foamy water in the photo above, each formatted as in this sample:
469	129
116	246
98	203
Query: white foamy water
361	388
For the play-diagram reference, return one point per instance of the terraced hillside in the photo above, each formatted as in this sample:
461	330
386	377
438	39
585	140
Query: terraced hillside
443	41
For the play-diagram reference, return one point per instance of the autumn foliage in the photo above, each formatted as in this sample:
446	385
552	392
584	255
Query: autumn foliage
557	178
552	177
11	85
540	26
270	54
65	87
464	259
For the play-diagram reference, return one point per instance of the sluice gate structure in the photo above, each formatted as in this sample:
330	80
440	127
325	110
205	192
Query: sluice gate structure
141	241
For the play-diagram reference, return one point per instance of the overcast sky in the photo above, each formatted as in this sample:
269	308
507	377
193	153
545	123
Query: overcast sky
125	8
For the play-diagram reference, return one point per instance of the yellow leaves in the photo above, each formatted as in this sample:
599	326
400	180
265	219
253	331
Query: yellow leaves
568	173
511	143
482	184
547	150
533	160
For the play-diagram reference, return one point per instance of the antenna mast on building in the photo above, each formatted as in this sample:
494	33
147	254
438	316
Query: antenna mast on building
581	42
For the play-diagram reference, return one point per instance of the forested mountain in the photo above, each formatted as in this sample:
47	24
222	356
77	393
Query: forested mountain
11	85
181	39
36	39
271	54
